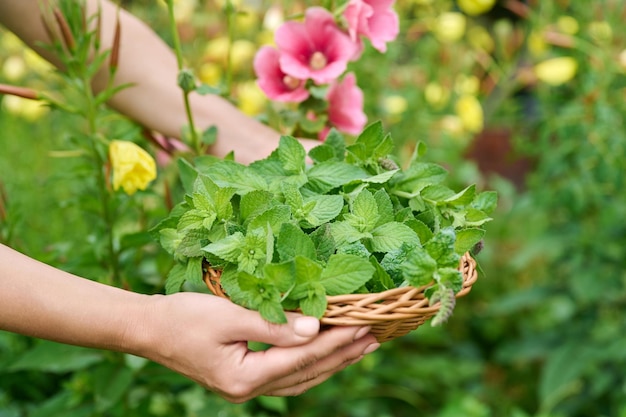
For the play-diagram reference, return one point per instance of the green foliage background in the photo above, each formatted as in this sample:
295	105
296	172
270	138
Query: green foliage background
543	332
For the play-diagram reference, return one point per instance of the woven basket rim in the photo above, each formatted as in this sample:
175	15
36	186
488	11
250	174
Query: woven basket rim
391	313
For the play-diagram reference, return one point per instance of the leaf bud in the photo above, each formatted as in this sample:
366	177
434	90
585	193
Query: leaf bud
186	80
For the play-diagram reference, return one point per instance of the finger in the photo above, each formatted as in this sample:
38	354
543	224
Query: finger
326	367
322	354
247	325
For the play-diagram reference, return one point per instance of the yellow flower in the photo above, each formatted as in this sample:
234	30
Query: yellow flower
450	27
568	25
436	94
536	43
475	7
14	68
480	39
133	167
470	112
556	71
210	73
252	101
395	104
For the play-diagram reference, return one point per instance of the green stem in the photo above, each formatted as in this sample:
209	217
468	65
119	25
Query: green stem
91	115
195	140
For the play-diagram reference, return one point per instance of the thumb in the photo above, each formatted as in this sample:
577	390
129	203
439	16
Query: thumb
298	330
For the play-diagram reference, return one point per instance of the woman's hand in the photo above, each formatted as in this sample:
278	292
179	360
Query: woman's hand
205	338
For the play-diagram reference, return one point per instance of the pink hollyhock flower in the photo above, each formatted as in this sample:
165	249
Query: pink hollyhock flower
273	81
345	106
316	48
374	19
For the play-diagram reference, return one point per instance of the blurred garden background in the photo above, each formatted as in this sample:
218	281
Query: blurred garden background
527	98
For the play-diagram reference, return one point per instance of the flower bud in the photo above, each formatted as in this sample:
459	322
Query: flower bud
475	7
186	80
556	71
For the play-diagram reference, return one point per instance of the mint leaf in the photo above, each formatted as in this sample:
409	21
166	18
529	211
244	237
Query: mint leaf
234	175
228	248
196	219
385	207
344	233
281	275
326	208
175	279
292	242
486	202
315	302
324	242
419	267
272	311
254	203
391	236
418	176
190	245
187	174
324	177
292	154
381	280
451	278
462	198
441	248
273	217
467	238
345	273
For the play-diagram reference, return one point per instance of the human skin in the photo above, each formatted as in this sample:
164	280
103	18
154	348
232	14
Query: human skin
197	335
149	64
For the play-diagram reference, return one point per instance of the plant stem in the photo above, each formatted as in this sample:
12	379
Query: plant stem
195	140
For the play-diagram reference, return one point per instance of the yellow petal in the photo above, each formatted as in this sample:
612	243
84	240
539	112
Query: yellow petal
475	7
470	112
556	71
450	27
133	167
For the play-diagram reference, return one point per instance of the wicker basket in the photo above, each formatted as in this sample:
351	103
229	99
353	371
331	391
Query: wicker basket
391	314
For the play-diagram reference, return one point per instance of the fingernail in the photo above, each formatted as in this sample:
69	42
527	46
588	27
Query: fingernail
306	326
369	349
362	332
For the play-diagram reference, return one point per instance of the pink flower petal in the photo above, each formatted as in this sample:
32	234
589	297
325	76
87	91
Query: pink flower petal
273	81
345	106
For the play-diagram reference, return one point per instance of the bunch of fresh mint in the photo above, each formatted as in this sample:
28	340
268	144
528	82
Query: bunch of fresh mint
286	234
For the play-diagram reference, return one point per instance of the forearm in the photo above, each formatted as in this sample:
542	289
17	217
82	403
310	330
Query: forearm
147	63
41	301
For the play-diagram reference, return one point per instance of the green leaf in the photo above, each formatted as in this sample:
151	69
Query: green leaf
418	176
272	311
324	242
228	248
474	217
344	232
196	219
419	267
322	153
254	203
369	140
209	135
281	275
326	209
365	209
335	140
385	207
234	175
292	154
421	229
324	177
345	274
391	236
193	271
292	242
381	280
467	238
175	279
191	243
447	301
441	248
54	357
188	174
381	178
315	303
111	382
437	193
170	240
462	198
450	278
275	217
486	202
307	272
